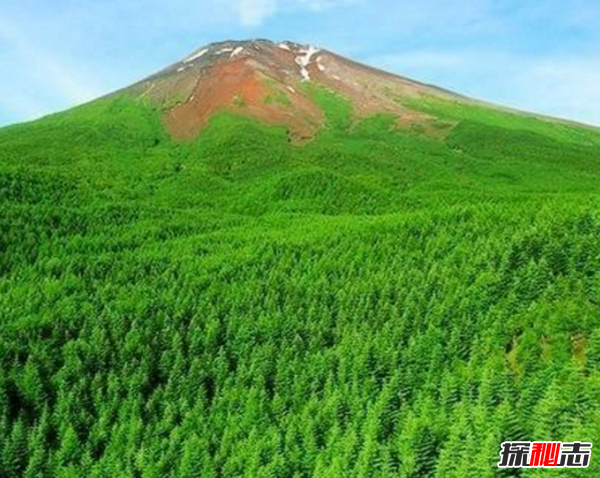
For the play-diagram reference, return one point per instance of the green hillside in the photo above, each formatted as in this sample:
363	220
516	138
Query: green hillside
375	302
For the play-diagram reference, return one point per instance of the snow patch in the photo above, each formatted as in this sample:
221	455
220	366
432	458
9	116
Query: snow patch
195	56
320	65
180	69
284	46
291	89
237	51
224	50
304	60
335	77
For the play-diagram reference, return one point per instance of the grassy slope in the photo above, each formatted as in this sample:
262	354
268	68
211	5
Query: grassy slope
372	303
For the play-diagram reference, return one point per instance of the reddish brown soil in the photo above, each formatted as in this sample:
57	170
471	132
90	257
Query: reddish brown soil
238	86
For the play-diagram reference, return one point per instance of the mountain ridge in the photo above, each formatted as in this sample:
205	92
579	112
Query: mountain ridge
268	80
179	81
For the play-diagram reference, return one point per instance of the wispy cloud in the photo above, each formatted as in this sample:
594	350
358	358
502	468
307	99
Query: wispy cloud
320	5
45	64
253	13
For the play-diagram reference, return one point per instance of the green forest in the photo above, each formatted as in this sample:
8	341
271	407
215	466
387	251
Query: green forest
378	301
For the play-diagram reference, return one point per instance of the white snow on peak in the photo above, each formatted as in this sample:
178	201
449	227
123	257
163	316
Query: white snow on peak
304	60
180	69
320	65
195	56
237	51
284	46
224	50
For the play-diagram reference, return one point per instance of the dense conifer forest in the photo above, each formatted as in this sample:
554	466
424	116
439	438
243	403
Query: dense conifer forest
375	302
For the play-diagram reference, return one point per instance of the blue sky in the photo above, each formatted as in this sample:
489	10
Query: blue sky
537	55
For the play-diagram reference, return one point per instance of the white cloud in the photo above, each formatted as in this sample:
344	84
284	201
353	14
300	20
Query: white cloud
320	5
46	67
34	72
253	13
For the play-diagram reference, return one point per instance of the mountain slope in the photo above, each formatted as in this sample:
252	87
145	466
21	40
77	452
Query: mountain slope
349	283
264	80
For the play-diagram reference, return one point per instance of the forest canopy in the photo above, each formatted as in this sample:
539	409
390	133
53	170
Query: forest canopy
375	302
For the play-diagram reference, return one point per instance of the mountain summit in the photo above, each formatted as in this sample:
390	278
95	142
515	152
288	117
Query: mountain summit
269	81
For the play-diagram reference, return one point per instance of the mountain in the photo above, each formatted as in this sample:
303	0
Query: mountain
269	260
263	80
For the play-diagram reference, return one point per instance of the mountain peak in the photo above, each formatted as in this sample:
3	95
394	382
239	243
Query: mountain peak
258	49
272	82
